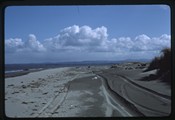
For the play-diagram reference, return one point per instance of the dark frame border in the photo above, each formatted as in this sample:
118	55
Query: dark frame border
4	4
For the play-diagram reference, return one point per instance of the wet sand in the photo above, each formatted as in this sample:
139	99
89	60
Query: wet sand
95	91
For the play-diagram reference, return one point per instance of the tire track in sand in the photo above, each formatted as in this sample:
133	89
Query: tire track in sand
125	107
125	95
166	97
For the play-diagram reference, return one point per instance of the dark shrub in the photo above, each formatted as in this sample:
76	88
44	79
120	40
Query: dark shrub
163	66
164	70
154	64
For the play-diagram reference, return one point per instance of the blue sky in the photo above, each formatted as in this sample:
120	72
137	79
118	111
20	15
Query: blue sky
54	32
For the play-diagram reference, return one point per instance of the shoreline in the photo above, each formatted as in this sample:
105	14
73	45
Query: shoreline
20	73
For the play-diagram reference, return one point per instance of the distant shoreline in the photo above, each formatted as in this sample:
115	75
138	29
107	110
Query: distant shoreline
24	70
20	73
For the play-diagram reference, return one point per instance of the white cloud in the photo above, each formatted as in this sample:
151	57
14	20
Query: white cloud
145	43
85	40
142	43
82	36
13	45
33	45
78	38
17	45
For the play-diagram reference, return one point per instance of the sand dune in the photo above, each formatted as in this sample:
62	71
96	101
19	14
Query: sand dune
95	91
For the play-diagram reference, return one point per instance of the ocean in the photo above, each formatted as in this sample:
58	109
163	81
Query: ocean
9	68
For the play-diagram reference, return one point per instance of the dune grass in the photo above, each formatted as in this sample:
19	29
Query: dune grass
163	66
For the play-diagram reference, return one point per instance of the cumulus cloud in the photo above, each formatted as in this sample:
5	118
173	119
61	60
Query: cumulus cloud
17	45
13	45
96	40
78	38
32	44
145	43
86	39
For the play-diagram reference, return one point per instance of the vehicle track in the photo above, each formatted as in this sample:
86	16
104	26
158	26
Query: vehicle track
154	111
125	107
157	96
166	97
54	101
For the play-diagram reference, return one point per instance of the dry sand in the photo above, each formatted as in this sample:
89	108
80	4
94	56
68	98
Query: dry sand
96	91
152	98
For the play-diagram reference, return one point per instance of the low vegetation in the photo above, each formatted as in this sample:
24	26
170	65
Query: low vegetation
163	66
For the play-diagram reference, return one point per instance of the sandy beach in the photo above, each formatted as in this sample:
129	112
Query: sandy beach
87	91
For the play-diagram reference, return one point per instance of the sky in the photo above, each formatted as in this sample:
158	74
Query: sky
39	34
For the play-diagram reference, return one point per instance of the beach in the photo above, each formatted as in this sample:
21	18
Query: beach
87	91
